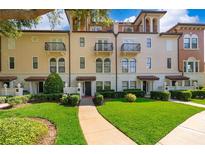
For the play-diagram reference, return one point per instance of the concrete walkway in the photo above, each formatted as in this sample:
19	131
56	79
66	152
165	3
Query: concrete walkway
188	103
5	106
96	129
190	132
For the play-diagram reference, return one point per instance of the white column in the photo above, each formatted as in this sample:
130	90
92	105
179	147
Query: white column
151	24
141	84
30	87
158	25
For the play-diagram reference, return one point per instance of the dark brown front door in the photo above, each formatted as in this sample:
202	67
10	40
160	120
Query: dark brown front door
87	88
145	86
40	87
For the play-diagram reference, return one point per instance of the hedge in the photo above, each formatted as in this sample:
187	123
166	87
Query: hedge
107	93
45	97
2	99
71	100
17	100
184	95
198	94
136	92
160	95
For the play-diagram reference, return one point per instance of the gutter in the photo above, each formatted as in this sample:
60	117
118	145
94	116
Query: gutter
0	54
69	59
178	55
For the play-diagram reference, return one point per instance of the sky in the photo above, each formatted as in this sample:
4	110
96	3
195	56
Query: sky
171	18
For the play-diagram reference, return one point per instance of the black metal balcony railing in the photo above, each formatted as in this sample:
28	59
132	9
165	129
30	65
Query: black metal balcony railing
103	46
131	47
55	46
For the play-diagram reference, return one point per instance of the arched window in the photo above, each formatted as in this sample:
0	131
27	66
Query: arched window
191	65
155	25
53	67
107	65
61	65
187	41
132	65
99	65
124	65
147	23
194	41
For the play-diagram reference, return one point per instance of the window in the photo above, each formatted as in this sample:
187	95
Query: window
82	42
99	65
125	65
148	63
125	85
132	84
107	65
196	66
190	66
11	62
128	29
99	85
187	83
194	43
169	63
82	62
187	43
133	65
149	42
107	85
11	44
53	67
35	62
61	65
185	66
57	46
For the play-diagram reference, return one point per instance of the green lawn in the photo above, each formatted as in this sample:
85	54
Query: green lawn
64	118
199	101
146	121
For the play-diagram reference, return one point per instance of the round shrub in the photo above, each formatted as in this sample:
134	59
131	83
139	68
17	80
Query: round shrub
21	131
2	99
130	97
53	84
64	99
74	99
98	99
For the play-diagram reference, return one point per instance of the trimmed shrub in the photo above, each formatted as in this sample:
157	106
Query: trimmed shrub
136	92
119	94
160	95
198	94
74	99
46	97
64	99
53	84
2	99
184	95
17	100
130	97
98	99
107	93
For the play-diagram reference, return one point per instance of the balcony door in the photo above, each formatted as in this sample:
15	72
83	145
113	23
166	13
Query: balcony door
127	44
102	45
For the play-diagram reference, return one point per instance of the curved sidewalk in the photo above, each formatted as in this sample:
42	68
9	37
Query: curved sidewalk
190	132
96	129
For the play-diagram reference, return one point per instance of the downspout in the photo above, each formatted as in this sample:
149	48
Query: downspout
69	57
116	61
182	71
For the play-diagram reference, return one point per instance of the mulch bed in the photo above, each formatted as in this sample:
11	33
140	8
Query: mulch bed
50	137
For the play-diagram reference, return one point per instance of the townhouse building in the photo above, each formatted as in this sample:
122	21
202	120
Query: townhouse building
98	57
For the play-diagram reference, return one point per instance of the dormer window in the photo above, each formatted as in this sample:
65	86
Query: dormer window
128	29
96	28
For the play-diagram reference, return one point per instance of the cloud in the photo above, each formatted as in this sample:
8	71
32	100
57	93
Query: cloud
130	19
45	25
172	17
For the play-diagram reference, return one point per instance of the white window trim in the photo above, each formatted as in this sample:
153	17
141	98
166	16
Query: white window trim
57	71
190	37
84	41
85	62
103	65
194	65
9	63
37	62
151	42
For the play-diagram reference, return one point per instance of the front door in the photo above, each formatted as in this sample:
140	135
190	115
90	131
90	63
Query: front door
87	88
145	86
40	87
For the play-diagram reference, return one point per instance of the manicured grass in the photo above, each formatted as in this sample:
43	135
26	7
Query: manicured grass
21	131
64	118
199	101
146	121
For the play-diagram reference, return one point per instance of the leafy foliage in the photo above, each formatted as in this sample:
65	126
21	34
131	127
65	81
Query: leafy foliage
160	95
53	84
130	97
21	131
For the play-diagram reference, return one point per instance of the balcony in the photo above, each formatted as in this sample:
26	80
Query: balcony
131	48
55	46
103	48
